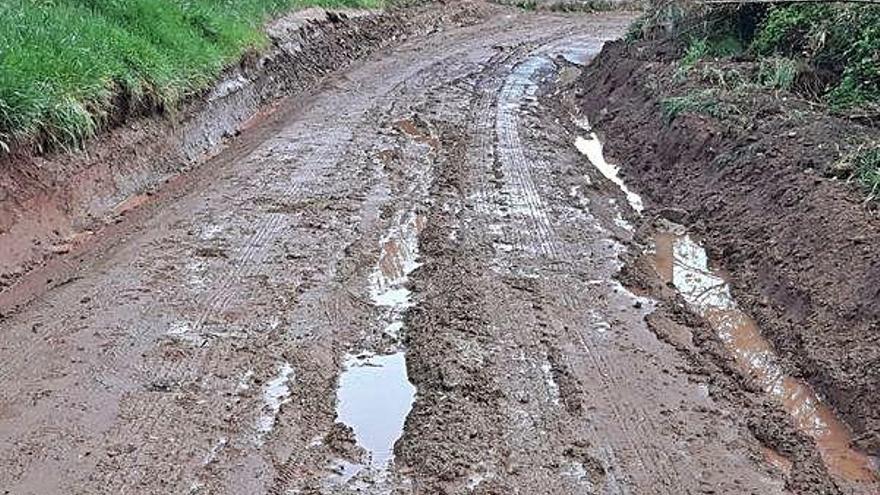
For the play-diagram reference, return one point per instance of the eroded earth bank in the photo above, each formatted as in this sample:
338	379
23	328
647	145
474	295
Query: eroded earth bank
407	281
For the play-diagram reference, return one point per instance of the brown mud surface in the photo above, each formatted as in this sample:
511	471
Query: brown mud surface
403	281
801	247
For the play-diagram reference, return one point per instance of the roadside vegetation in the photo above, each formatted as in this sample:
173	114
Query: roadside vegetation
65	65
825	55
575	5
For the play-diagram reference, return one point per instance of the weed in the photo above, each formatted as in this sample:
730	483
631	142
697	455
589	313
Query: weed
636	30
526	4
723	78
575	5
701	48
777	72
697	49
702	102
863	166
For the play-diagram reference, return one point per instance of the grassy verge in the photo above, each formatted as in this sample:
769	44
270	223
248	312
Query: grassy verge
575	5
63	63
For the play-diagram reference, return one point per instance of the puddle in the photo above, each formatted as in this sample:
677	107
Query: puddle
682	261
374	398
592	148
375	395
578	51
276	392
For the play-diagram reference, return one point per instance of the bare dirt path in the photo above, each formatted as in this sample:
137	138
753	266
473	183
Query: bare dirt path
421	233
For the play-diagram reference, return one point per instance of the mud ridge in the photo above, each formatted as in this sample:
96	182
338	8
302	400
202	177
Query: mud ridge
51	203
801	247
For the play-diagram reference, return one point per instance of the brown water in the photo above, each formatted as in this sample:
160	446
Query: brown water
683	262
417	133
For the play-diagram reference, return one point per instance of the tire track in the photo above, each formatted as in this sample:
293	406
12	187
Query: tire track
516	168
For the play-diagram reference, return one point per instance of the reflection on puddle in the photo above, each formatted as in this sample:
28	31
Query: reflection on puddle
592	148
680	260
375	394
375	397
396	261
275	394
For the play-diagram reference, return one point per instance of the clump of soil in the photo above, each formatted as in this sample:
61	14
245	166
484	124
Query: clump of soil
755	175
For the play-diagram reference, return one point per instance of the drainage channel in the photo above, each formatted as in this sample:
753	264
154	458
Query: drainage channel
375	395
680	260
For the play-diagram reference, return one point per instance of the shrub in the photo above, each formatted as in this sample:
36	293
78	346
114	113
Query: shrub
840	39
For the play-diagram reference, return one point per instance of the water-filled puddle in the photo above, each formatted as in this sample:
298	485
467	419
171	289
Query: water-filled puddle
591	147
397	259
276	393
683	262
375	394
374	399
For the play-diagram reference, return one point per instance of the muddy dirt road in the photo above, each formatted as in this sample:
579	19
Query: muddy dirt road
406	284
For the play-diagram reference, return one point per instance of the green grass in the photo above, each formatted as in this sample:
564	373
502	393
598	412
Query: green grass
863	166
777	72
703	102
62	62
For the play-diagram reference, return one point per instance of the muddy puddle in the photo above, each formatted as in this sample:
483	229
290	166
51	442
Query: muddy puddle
680	260
374	398
591	147
375	395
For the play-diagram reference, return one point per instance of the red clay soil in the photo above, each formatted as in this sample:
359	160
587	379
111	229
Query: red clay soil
803	248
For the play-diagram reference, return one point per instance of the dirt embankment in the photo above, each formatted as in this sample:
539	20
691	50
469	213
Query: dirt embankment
50	203
802	247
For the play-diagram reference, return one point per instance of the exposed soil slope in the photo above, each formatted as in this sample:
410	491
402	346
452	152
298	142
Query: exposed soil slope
803	248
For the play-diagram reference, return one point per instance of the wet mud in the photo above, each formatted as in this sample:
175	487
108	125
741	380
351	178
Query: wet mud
49	199
683	262
411	281
799	245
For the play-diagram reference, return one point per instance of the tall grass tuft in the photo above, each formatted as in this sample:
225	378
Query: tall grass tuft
62	62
